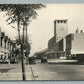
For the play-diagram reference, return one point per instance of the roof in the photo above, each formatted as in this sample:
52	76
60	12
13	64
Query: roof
43	51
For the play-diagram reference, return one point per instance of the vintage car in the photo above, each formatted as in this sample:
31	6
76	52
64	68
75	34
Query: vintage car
32	60
13	60
44	59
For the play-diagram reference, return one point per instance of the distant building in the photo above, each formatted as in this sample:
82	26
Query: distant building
41	54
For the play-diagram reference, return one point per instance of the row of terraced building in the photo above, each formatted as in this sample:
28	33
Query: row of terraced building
7	46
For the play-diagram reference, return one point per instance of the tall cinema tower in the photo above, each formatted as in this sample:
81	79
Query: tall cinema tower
60	29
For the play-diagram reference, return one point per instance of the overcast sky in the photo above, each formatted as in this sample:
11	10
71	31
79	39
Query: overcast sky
42	29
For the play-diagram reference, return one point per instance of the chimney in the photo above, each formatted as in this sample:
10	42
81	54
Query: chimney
77	31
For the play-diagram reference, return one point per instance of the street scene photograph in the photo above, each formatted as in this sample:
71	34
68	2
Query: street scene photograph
41	42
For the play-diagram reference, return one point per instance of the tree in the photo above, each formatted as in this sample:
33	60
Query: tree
21	14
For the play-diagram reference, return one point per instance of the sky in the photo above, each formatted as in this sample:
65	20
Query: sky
40	30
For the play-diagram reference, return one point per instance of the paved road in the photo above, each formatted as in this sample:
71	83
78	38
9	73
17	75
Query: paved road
58	71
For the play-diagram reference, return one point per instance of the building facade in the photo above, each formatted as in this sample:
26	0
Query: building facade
56	45
63	44
6	45
74	44
69	46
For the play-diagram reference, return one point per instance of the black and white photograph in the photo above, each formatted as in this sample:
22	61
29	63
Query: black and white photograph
41	42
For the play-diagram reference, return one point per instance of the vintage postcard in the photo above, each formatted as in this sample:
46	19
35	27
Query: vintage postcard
41	42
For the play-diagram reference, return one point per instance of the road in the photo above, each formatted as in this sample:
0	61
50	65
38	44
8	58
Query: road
45	71
42	71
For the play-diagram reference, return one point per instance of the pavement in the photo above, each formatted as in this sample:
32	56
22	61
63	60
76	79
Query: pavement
61	61
29	73
13	72
10	72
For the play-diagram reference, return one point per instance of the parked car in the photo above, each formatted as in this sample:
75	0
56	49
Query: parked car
44	60
32	60
13	60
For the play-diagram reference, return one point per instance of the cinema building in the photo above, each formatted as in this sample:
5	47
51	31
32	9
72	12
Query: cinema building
55	44
64	45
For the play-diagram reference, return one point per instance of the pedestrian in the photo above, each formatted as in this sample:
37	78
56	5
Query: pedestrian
7	59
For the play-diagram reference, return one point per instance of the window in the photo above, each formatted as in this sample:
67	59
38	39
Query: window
57	21
64	21
61	21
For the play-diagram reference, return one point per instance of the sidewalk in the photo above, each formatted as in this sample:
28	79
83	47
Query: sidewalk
10	72
13	72
29	75
61	61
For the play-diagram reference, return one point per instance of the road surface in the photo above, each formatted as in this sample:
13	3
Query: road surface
45	71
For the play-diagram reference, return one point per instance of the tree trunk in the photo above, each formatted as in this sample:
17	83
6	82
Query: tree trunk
27	57
22	62
22	55
18	24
